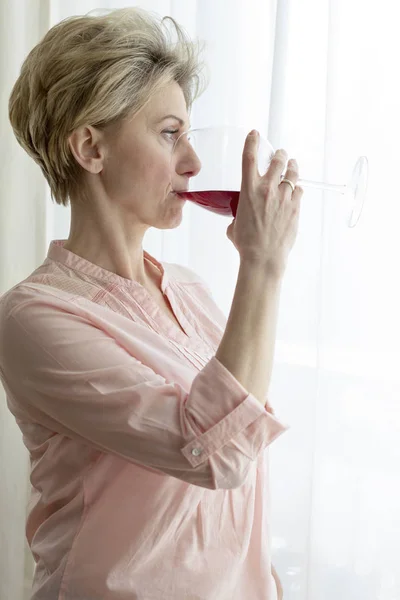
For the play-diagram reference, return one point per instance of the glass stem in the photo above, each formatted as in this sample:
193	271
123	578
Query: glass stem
320	185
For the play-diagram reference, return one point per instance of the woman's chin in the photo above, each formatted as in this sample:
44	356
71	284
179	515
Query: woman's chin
173	217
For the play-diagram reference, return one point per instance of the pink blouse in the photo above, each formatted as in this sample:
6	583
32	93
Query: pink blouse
149	465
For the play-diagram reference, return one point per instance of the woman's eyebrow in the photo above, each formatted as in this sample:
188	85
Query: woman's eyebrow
180	121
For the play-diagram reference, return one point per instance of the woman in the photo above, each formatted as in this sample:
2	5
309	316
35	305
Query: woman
143	409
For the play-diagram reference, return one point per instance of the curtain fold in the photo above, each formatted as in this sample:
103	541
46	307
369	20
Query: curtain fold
307	75
22	245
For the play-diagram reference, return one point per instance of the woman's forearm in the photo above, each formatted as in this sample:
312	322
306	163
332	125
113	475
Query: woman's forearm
247	346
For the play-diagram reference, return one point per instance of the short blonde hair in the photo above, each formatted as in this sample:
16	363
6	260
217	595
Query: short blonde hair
99	71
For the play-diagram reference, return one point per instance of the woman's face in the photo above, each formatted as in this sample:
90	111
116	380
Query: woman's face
140	172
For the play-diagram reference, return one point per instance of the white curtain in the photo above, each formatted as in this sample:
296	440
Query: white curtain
318	78
22	247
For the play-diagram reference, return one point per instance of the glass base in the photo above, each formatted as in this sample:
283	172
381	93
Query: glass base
357	187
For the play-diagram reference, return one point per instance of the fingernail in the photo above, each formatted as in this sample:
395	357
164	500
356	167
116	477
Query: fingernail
254	132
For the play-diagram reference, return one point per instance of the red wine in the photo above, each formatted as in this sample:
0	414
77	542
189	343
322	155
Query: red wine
217	201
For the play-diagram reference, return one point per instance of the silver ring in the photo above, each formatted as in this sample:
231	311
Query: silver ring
289	182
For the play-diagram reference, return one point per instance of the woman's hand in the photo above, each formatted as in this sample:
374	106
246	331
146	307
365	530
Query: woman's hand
267	218
278	583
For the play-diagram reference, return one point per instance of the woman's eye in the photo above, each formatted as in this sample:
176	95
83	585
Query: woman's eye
170	132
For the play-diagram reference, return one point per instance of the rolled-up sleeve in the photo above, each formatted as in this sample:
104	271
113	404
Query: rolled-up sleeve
61	371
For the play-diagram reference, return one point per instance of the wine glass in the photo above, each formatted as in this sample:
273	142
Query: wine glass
217	185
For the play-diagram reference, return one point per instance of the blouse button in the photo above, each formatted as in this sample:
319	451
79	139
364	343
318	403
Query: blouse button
196	451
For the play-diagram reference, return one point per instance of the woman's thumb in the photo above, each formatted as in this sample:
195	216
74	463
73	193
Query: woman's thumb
229	230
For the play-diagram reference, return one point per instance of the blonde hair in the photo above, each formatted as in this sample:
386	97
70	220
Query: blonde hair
99	71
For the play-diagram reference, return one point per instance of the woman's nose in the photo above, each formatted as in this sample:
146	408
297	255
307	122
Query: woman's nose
189	163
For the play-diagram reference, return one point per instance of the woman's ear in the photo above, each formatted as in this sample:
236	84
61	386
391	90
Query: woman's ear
86	145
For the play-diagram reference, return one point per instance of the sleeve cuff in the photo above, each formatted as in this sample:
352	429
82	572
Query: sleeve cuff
230	414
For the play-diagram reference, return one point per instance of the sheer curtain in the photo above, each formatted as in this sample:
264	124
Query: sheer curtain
309	76
22	246
336	482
